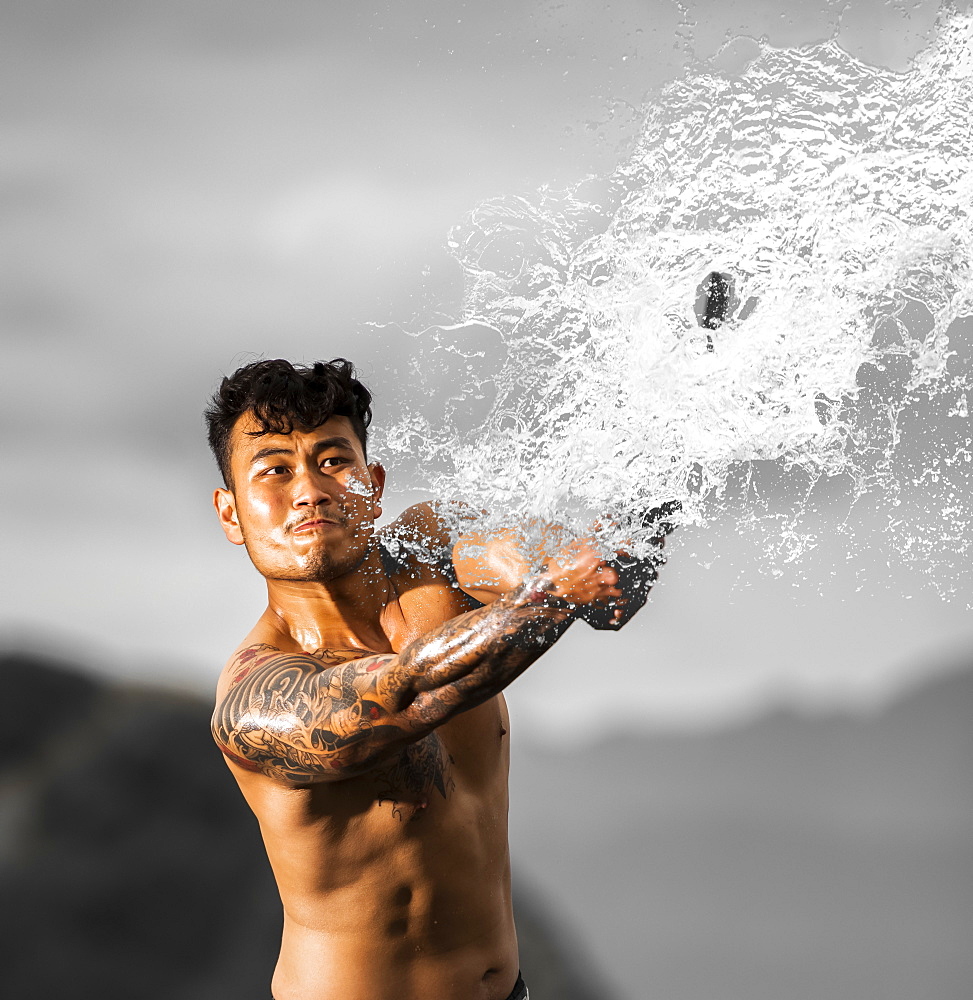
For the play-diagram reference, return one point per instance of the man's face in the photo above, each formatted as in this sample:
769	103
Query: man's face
303	503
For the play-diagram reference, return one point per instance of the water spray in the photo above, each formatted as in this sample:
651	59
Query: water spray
831	207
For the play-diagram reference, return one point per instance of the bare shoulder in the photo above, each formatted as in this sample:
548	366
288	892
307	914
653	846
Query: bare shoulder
431	521
263	640
419	542
416	546
248	658
424	517
419	529
266	639
443	545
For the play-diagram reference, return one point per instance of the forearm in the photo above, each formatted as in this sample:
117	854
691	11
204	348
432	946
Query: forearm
475	656
491	564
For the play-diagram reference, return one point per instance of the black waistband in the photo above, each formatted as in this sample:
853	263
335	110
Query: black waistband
520	989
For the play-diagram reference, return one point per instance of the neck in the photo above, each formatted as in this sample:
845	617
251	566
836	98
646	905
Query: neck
343	613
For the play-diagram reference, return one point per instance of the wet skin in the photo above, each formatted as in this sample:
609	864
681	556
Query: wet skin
374	752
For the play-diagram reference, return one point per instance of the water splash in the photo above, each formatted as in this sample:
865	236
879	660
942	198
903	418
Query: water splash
774	276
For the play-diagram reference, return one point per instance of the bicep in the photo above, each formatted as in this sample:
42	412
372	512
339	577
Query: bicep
295	719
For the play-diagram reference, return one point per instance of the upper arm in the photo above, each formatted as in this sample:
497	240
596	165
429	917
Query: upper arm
419	532
297	719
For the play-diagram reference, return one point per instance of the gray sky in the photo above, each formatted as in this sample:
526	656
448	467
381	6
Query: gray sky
188	185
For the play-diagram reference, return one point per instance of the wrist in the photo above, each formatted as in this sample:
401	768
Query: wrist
538	590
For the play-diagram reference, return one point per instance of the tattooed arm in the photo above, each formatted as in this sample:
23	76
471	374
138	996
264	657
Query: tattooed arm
300	721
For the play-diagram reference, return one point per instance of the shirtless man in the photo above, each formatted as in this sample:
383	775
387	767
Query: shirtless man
362	716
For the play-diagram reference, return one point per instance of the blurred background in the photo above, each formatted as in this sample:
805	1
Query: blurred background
774	798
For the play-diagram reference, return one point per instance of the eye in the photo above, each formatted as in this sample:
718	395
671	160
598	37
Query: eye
275	470
333	461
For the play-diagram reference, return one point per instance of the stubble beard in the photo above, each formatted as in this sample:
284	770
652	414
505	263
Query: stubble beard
319	565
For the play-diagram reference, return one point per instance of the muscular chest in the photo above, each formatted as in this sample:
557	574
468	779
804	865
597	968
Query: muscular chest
469	755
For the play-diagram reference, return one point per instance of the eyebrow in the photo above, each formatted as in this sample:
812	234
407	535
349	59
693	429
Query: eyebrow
322	445
267	452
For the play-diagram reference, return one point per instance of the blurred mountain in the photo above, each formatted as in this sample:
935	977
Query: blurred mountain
130	869
805	857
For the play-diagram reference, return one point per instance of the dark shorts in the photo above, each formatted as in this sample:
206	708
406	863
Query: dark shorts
519	990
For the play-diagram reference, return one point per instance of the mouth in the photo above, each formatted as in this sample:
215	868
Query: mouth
314	524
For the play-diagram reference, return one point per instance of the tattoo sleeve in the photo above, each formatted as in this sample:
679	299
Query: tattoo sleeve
298	719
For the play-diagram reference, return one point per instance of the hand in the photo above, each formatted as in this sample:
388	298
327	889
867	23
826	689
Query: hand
578	575
635	581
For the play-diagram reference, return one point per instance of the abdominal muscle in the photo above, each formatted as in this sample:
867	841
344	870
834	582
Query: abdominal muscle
391	890
405	953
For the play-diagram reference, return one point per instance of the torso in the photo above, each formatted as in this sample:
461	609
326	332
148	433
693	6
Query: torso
396	883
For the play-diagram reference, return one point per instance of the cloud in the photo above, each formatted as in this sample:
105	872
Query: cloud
190	183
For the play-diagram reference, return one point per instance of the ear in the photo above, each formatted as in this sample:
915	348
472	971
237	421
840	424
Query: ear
376	472
225	505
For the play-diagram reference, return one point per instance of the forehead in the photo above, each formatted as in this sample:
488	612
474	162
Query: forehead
244	444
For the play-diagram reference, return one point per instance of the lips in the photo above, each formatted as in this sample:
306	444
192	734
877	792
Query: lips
313	523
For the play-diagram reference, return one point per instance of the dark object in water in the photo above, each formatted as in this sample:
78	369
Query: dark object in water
694	481
717	290
636	578
659	517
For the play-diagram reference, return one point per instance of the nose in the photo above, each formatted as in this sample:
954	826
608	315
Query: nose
311	489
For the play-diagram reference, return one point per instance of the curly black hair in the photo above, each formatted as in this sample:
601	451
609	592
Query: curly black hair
282	396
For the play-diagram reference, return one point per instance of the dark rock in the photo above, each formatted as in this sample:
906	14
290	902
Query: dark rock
41	697
133	868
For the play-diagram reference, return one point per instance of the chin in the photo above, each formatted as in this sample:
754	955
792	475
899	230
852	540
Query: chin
319	564
325	569
323	566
